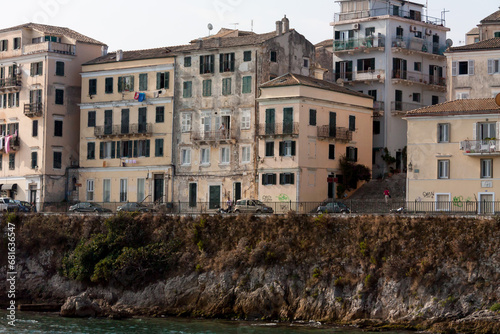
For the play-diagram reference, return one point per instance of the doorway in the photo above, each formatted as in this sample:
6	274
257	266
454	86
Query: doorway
236	191
158	188
486	203
331	186
214	199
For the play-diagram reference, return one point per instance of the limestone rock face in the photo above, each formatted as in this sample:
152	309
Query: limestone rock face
80	306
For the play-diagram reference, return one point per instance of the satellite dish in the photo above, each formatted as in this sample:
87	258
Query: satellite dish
449	42
340	81
210	26
497	99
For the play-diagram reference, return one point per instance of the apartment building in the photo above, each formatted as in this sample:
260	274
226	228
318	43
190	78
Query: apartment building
488	28
305	126
454	155
393	52
474	70
39	114
215	117
126	127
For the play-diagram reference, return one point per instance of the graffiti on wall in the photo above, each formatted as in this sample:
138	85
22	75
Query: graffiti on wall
459	201
283	198
428	194
267	198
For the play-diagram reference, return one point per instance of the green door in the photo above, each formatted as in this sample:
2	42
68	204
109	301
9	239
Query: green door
214	201
270	121
287	120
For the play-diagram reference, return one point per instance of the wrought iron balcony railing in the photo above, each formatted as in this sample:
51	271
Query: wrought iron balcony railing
339	133
123	130
279	129
359	43
393	11
9	83
33	109
418	77
214	136
480	147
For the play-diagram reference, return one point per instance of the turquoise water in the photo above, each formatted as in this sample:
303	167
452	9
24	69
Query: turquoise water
53	324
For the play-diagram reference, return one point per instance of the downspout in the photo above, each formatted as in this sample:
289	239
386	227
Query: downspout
173	155
44	132
256	127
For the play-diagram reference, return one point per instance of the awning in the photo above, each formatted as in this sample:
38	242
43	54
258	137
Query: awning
12	186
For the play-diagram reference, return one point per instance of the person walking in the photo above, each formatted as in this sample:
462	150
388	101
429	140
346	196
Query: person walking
229	204
387	195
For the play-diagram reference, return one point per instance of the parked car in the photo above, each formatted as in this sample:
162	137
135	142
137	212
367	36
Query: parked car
134	207
87	207
333	207
251	206
7	204
24	206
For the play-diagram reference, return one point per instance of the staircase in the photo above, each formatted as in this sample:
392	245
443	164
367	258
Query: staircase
374	190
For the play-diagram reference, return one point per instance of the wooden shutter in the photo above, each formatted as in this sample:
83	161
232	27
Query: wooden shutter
490	66
32	70
471	67
132	83
167	80
212	63
118	150
293	148
292	178
221	63
158	80
281	148
454	69
232	62
112	150
101	150
148	146
474	131
135	148
282	178
120	84
264	179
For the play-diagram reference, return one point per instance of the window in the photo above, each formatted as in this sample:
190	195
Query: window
443	133
370	31
462	68
141	148
225	155
246	85
60	68
92	87
205	156
1	161
106	190
58	128
108	86
416	97
163	80
91	119
12	161
247	56
187	89
226	62
486	131
331	152
123	190
90	190
160	115
107	150
376	127
493	66
435	99
312	117
34	160
207	64
270	149
207	88
4	45
143	82
418	34
365	65
486	168
351	153
141	187
245	154
159	147
399	32
186	156
36	69
193	194
417	66
125	148
186	122
226	86
90	151
268	179
126	84
287	178
306	62
443	169
352	123
287	148
34	128
245	119
187	61
59	96
57	163
274	56
125	121
17	43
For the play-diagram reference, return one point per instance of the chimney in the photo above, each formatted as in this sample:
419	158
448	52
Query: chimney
104	50
199	43
286	25
119	55
279	26
319	73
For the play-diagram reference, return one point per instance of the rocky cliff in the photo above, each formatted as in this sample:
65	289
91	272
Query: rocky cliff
439	274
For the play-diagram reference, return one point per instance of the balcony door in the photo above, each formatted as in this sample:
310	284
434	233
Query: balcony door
400	68
108	122
399	100
332	126
214	197
343	70
270	121
142	120
125	121
287	120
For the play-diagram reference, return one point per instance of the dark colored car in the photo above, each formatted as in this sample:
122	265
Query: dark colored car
24	206
333	207
134	207
87	207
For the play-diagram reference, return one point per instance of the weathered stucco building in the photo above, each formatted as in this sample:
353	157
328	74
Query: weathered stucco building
39	114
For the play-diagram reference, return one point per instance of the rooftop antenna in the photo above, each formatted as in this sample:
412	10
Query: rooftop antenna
210	28
443	16
235	25
252	27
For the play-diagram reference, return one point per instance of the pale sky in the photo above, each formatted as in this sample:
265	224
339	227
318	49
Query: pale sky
132	25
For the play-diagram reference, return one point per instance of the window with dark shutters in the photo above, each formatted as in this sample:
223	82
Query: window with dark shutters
34	160
331	152
92	87
270	149
162	80
226	62
108	86
287	178
193	194
91	151
34	131
143	81
312	117
58	128
91	119
352	123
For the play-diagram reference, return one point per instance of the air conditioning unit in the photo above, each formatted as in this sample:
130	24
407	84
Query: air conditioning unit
355	26
413	28
428	32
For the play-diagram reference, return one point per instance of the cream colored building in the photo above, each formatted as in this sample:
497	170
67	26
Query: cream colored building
39	115
454	156
305	126
126	127
488	28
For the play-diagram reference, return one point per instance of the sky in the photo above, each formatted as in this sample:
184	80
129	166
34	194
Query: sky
133	25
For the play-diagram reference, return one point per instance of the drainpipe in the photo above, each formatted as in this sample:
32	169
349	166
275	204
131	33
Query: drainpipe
256	126
297	196
44	132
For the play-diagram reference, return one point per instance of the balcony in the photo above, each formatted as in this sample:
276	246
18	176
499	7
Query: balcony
401	108
412	44
378	108
218	136
62	48
279	129
326	132
13	83
431	82
486	147
412	15
133	130
33	109
361	76
14	144
354	45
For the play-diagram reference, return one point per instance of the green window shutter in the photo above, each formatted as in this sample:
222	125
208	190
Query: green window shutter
282	178
143	81
32	70
120	84
292	178
147	148
132	83
212	64
281	148
135	148
167	80
158	80
232	62
118	151
112	150
101	150
293	148
221	63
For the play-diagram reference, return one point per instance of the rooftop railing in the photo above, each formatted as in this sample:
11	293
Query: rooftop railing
359	43
68	49
412	15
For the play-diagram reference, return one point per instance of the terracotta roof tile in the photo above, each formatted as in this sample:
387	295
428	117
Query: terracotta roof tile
474	31
290	79
55	31
495	17
458	107
325	43
493	43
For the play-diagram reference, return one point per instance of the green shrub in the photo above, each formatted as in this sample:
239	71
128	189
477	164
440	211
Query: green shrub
316	273
495	307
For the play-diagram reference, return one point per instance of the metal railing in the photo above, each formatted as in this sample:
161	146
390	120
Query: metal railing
402	107
419	77
412	15
123	130
14	143
278	129
419	44
214	136
354	206
68	49
339	133
369	75
33	109
359	43
480	147
11	82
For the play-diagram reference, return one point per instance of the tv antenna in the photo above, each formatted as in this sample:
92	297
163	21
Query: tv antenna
235	25
210	28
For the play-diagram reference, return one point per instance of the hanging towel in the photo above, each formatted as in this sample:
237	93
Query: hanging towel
142	96
136	96
1	143
7	144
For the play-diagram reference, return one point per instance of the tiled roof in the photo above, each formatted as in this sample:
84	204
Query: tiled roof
290	79
493	43
458	107
53	30
495	17
325	43
169	51
474	31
